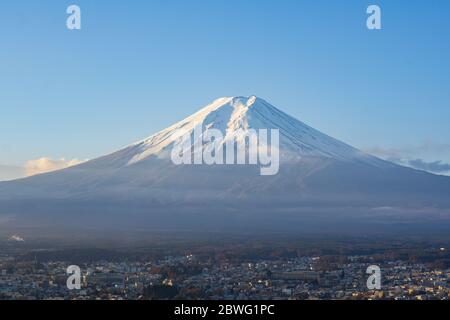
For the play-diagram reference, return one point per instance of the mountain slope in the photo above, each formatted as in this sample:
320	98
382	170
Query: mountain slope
239	113
321	181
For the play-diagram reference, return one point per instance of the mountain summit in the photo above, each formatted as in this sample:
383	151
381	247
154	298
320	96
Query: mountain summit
322	184
233	114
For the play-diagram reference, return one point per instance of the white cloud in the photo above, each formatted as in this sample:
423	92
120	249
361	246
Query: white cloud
421	156
46	164
36	166
431	148
16	238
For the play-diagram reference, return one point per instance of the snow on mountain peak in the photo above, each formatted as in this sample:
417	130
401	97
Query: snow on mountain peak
233	114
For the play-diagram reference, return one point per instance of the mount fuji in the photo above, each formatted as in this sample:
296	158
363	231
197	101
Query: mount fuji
322	184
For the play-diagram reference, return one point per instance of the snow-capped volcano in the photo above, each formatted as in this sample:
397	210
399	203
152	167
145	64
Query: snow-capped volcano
321	181
240	114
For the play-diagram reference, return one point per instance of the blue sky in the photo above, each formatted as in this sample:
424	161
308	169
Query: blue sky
138	66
